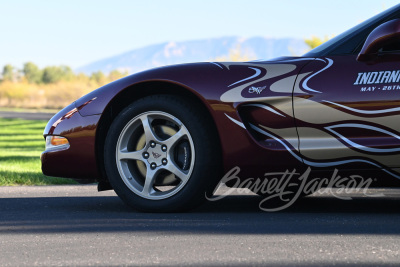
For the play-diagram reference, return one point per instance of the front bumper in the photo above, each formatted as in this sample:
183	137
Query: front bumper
79	160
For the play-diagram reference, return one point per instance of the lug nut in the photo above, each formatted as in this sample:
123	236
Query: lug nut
164	148
146	155
153	166
152	143
164	161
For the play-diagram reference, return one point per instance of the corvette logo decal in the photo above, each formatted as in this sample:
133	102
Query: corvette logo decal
257	90
272	71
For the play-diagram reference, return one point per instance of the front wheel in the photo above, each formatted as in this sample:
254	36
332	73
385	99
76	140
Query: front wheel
162	154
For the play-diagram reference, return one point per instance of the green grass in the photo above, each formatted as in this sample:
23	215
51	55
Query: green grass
21	143
30	110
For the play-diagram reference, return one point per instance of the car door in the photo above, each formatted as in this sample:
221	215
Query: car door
348	113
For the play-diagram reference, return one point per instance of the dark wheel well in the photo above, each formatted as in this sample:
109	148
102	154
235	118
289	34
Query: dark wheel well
125	98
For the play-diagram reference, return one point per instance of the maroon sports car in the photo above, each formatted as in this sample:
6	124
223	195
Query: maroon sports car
163	138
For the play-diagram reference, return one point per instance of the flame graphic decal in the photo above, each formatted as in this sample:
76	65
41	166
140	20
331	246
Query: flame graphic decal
347	133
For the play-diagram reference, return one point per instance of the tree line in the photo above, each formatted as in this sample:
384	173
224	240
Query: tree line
50	87
32	74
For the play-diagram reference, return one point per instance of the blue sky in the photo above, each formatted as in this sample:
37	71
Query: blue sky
77	32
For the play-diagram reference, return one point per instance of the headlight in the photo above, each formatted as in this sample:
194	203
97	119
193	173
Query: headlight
56	143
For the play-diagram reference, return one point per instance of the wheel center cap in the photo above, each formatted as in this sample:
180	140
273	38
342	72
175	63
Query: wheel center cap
156	155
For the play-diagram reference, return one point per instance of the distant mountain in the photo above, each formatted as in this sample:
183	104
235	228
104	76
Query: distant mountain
196	51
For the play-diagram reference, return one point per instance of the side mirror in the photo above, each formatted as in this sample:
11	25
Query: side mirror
385	34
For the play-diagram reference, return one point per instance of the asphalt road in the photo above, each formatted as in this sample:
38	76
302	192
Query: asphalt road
76	225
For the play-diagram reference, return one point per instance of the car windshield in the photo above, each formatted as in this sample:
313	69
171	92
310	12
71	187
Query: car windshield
341	38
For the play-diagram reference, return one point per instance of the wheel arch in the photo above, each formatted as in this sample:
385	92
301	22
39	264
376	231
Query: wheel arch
133	93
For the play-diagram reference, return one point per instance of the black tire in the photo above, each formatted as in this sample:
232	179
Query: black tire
202	175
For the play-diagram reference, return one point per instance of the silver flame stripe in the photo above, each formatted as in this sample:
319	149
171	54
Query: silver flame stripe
361	147
266	108
321	164
363	111
305	86
236	121
258	72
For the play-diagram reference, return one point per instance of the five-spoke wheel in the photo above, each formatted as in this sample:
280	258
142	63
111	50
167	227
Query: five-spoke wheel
155	155
162	154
